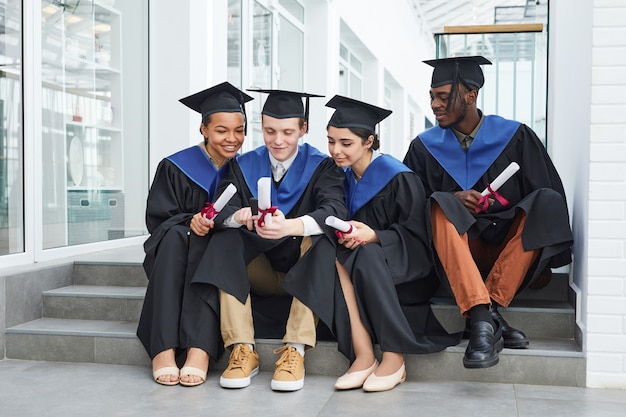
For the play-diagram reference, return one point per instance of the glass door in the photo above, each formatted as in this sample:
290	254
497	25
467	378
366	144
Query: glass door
11	129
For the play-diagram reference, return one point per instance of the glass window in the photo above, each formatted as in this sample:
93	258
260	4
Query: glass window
11	132
516	83
343	52
293	7
234	42
261	68
350	80
290	56
94	132
355	63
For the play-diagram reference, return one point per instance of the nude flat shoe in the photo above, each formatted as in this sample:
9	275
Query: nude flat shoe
192	371
351	380
168	370
384	383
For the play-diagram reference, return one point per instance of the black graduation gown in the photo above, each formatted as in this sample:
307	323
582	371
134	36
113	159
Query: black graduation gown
311	278
393	280
174	316
536	189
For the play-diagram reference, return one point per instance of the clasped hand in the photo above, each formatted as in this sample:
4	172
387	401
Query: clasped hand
469	199
200	225
278	228
361	235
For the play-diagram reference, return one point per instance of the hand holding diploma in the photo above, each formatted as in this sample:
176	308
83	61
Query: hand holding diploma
351	234
211	210
340	226
491	190
264	188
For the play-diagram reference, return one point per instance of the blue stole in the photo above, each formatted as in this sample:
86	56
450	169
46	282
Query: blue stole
466	168
376	176
256	164
195	164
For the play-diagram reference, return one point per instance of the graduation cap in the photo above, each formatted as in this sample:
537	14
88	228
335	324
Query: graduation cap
456	70
357	114
221	98
283	104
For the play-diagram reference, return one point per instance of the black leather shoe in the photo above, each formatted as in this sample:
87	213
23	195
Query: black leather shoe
513	338
483	346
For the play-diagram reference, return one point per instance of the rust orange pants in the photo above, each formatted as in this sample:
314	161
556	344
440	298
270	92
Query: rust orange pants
504	265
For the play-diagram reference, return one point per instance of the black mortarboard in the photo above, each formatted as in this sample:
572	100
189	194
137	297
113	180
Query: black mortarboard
461	69
283	104
221	98
353	113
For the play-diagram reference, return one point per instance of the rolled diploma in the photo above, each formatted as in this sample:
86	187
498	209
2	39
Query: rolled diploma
502	178
339	224
265	196
224	198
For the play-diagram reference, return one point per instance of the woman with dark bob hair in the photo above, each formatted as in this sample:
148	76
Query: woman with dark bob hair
383	262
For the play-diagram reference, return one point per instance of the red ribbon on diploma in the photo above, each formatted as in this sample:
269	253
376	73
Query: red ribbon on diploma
208	211
341	234
263	213
483	202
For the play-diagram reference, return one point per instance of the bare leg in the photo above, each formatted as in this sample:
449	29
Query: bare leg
390	364
162	360
361	339
197	358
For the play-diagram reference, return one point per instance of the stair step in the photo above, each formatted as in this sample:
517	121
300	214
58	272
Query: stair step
63	340
119	274
113	273
115	342
91	302
536	318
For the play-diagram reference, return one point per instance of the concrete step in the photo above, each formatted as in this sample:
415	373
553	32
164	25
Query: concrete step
119	274
546	362
94	302
132	274
537	318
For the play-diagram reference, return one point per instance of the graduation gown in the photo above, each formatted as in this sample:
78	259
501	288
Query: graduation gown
173	316
392	279
313	185
438	159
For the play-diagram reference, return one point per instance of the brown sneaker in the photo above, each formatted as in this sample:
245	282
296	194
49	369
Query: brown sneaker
243	364
289	373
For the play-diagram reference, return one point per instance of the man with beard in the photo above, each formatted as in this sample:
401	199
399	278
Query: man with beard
487	247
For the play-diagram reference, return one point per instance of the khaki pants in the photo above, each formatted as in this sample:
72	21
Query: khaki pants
463	259
236	318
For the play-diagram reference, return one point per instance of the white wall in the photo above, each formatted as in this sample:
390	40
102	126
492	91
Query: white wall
606	237
396	45
568	128
179	57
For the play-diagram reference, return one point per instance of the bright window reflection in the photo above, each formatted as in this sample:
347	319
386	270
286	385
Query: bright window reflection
94	132
11	133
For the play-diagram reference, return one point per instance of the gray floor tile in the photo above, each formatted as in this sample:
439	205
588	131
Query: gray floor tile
560	408
37	388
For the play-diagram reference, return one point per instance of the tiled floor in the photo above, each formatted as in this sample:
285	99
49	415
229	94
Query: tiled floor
29	388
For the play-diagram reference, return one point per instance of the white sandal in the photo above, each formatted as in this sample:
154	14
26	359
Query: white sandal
192	371
168	370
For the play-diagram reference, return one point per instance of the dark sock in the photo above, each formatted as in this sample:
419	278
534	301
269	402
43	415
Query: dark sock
480	313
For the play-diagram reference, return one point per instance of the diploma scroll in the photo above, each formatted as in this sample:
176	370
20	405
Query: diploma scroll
211	210
264	188
492	189
501	179
341	226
